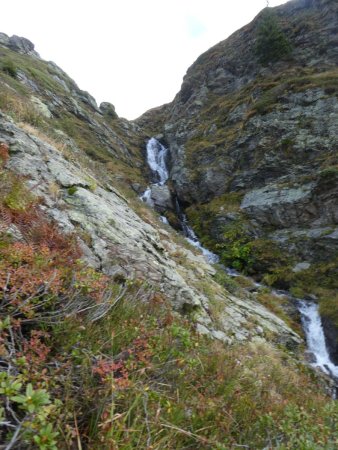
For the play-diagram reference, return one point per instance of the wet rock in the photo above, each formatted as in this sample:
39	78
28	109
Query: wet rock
310	358
162	198
331	338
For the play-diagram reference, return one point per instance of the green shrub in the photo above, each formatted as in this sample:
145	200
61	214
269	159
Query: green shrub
235	249
271	44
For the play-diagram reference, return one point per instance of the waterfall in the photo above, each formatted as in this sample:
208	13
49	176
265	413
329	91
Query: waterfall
157	160
313	329
315	338
157	156
192	238
146	197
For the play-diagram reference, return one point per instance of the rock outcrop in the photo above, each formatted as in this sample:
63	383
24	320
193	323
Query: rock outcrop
19	44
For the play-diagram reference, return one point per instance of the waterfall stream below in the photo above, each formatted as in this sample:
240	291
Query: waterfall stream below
315	338
157	156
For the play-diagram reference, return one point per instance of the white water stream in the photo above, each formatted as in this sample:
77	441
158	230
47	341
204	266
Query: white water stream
191	237
315	338
146	197
157	160
156	157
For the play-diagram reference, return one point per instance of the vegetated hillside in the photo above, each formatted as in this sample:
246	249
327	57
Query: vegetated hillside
254	139
114	332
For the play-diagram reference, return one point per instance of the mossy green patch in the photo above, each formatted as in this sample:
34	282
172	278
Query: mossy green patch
15	195
72	190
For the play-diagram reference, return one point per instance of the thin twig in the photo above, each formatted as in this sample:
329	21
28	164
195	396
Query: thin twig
14	437
79	445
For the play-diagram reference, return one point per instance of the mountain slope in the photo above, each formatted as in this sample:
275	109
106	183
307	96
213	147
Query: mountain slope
114	331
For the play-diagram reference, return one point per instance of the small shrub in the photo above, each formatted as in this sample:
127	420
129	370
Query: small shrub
14	194
266	102
235	249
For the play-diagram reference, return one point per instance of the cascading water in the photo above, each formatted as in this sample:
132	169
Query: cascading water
192	238
146	197
156	159
157	156
315	338
164	220
313	329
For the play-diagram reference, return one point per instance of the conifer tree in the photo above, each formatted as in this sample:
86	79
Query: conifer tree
271	44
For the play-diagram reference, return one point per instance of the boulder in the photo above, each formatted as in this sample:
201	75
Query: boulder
22	45
162	198
107	109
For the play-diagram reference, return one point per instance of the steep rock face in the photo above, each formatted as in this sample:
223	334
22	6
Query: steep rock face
266	136
269	132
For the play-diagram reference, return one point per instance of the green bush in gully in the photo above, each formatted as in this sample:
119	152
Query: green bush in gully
254	256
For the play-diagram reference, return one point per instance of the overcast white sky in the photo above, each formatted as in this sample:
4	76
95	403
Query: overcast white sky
132	53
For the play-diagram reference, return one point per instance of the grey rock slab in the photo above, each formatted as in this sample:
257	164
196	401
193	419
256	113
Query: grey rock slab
64	176
271	195
41	107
